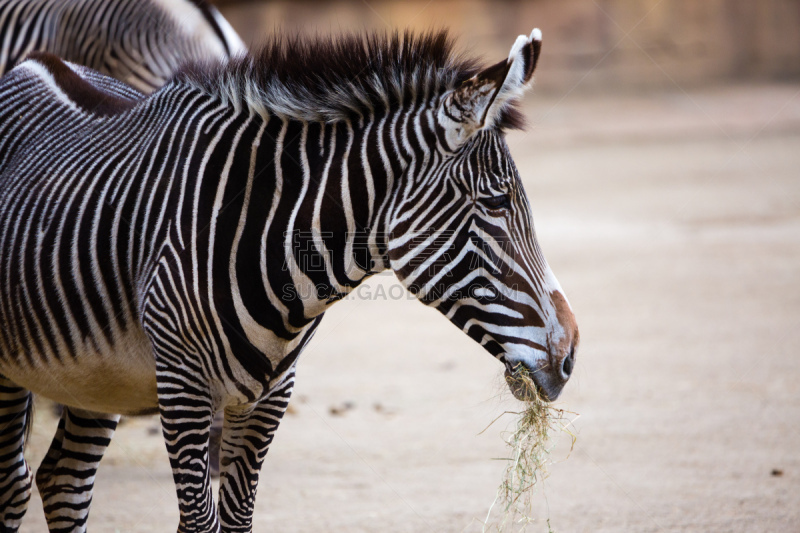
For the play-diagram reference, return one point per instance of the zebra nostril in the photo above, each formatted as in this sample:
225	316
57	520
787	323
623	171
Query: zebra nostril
568	363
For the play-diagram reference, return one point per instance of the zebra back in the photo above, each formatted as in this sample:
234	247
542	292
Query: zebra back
142	42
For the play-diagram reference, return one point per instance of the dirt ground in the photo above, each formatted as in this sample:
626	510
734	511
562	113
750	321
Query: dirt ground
673	223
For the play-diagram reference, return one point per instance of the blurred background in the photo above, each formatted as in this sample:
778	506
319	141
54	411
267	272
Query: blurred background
619	45
662	159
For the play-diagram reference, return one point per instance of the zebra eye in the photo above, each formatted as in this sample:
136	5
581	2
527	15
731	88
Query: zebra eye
497	202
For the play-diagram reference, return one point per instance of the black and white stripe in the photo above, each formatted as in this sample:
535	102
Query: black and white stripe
140	42
177	252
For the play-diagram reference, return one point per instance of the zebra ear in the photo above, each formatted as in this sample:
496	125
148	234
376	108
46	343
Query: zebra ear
479	101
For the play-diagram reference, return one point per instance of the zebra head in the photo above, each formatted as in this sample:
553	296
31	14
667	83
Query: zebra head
462	236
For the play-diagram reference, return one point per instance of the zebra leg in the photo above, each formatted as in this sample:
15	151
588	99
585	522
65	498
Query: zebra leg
15	475
246	438
186	416
65	478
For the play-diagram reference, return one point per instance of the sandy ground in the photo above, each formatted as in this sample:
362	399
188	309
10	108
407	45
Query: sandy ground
673	223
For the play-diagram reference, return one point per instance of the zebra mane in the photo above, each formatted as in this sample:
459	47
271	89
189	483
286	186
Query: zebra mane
331	79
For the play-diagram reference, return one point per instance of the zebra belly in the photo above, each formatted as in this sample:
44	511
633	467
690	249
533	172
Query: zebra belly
120	379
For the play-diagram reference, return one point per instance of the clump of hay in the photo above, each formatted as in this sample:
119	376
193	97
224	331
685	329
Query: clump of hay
529	454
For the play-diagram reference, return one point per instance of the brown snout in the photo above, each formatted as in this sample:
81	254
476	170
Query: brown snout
563	344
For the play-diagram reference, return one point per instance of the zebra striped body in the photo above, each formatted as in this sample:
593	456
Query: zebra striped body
176	252
141	42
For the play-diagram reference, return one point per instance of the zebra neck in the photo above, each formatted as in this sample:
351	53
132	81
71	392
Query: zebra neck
295	212
334	188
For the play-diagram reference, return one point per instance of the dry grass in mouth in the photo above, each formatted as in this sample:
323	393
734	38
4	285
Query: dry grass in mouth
529	455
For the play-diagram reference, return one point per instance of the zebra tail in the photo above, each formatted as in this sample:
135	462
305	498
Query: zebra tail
28	426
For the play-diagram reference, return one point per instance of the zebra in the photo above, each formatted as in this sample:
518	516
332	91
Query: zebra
142	42
175	253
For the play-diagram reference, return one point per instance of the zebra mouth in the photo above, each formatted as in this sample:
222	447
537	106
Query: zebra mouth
521	388
526	383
